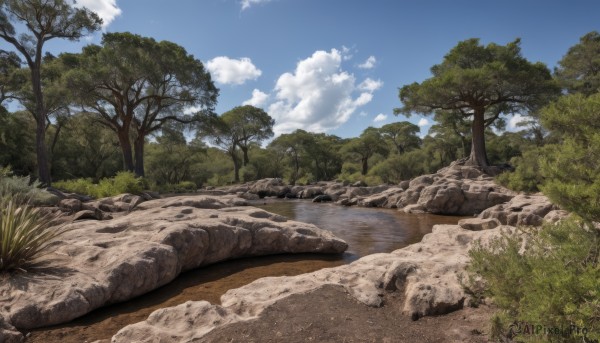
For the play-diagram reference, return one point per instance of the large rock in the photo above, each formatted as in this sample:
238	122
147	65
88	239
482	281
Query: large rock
269	187
427	273
102	262
525	210
454	190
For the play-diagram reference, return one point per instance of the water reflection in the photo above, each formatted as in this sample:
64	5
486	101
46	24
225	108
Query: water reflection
366	230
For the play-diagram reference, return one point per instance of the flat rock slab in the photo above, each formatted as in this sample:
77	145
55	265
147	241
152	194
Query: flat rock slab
102	262
425	274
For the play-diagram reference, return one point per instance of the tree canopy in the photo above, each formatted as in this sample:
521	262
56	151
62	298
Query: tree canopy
44	20
482	82
135	85
579	69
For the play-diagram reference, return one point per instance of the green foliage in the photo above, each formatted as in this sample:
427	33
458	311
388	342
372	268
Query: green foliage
25	234
553	283
527	175
22	189
572	168
579	69
482	82
123	182
398	168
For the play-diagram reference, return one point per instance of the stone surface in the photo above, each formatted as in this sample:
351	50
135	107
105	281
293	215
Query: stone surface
427	273
524	210
454	190
102	262
8	334
478	224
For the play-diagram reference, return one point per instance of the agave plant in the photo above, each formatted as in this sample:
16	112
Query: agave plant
25	234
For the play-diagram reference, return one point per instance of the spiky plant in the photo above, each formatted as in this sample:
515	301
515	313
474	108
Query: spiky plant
25	234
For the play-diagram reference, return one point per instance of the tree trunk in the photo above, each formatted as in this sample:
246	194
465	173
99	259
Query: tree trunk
138	146
478	154
125	144
365	165
236	166
245	151
40	132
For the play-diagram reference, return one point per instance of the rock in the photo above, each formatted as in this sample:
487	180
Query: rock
478	224
95	214
310	192
426	273
522	210
322	198
70	205
388	198
269	187
359	184
8	334
555	216
454	190
97	263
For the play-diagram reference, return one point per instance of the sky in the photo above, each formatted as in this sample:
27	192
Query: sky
335	66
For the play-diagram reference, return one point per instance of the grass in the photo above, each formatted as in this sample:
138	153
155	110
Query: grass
25	234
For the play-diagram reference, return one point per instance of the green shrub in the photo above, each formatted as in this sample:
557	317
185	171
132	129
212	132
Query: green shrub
527	176
123	182
25	234
23	190
552	283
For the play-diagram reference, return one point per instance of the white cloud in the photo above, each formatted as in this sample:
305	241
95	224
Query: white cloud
227	70
248	3
362	114
318	96
369	63
258	99
514	120
423	122
380	117
106	9
370	85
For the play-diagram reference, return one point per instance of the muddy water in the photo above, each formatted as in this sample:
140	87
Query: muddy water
367	231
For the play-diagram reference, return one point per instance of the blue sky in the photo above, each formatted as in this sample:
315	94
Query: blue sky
335	66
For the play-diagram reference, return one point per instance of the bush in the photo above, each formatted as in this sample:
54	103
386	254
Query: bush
123	182
527	176
21	189
25	234
552	283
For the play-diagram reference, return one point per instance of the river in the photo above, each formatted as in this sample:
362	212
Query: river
366	230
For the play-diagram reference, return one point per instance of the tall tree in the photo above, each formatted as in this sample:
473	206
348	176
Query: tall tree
44	20
9	62
252	125
364	147
136	85
240	127
403	135
293	145
483	82
579	69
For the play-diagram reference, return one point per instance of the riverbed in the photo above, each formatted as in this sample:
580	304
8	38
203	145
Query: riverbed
366	230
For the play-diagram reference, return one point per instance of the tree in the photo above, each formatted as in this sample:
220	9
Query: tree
402	134
483	82
252	125
293	145
364	147
579	69
238	128
45	20
136	85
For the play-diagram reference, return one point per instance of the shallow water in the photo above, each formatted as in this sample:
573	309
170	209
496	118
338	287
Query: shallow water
366	230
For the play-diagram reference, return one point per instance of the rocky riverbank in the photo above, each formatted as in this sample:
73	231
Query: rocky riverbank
99	262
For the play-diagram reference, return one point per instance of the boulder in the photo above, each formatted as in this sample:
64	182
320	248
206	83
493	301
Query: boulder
95	214
426	273
478	224
96	263
322	198
310	192
70	205
523	210
269	187
8	334
388	198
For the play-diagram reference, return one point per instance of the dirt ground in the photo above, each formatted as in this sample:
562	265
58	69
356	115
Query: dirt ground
329	314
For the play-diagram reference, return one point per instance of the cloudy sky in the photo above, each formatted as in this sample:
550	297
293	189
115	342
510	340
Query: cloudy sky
335	66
